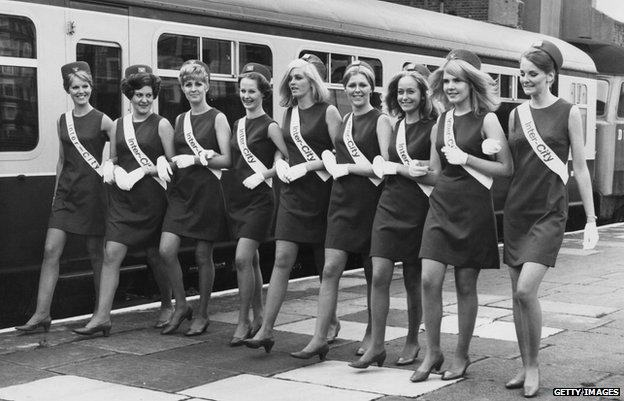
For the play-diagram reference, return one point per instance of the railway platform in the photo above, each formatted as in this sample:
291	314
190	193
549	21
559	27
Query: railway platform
582	345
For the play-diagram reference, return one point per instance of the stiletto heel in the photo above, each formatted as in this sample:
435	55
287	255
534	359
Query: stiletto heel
363	364
320	351
514	383
421	376
448	375
267	343
105	328
172	326
44	323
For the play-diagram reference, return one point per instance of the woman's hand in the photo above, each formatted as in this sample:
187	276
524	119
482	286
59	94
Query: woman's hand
253	180
490	146
295	172
590	236
163	168
281	168
455	155
184	161
108	172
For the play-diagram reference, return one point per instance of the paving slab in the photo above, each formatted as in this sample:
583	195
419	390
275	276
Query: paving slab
567	322
140	342
599	343
144	371
349	330
11	374
586	358
506	331
577	252
73	388
377	380
485	312
257	388
42	358
232	317
565	308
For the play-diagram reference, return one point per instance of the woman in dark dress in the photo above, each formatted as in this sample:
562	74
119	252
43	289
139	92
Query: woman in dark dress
536	209
365	133
309	124
460	229
79	204
257	142
195	207
401	211
137	202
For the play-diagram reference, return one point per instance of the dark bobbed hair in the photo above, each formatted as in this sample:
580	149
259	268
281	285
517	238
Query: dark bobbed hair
425	107
137	81
264	86
483	93
80	74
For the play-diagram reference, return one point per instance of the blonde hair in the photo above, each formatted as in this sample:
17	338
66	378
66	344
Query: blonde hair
354	69
319	92
196	70
80	74
483	92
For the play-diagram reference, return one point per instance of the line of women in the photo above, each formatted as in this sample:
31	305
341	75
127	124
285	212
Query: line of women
418	192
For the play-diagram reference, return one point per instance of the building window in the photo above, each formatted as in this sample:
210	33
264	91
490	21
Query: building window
19	119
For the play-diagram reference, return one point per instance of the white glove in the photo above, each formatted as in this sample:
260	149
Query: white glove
108	172
253	180
206	155
163	168
121	178
295	172
490	146
329	161
184	161
134	176
455	155
340	170
378	166
590	236
417	169
281	168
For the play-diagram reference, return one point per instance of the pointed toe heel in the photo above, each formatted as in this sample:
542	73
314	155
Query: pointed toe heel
172	326
197	332
44	323
514	384
266	343
421	376
105	328
449	375
363	364
322	352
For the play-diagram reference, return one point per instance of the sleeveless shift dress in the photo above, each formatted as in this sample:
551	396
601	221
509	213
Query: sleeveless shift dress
302	210
354	198
195	205
251	210
536	208
460	228
402	208
135	217
79	204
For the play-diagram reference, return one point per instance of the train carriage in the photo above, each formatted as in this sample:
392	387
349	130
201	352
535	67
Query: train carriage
38	36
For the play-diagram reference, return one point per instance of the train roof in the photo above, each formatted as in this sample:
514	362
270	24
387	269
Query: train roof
609	58
378	20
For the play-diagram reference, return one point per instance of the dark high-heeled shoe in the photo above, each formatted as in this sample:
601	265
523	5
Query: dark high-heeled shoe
162	323
44	323
238	341
365	363
407	361
449	375
514	383
105	328
196	332
267	343
320	351
172	326
421	376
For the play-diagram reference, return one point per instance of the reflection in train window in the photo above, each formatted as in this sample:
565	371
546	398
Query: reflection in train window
251	53
322	55
218	55
19	128
173	50
602	95
105	63
17	37
19	119
377	68
338	64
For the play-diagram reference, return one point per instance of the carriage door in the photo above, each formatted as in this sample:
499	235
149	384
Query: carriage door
99	36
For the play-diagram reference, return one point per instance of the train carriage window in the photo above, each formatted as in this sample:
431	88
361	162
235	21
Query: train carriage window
105	63
19	121
504	85
338	64
521	94
322	55
620	107
252	53
377	68
173	50
218	55
602	95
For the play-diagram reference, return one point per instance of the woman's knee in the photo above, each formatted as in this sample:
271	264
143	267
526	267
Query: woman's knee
332	270
243	262
284	260
524	295
203	254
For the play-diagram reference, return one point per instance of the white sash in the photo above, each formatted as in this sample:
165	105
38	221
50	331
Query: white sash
133	145
252	161
543	151
357	155
191	141
401	148
449	140
305	150
73	137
